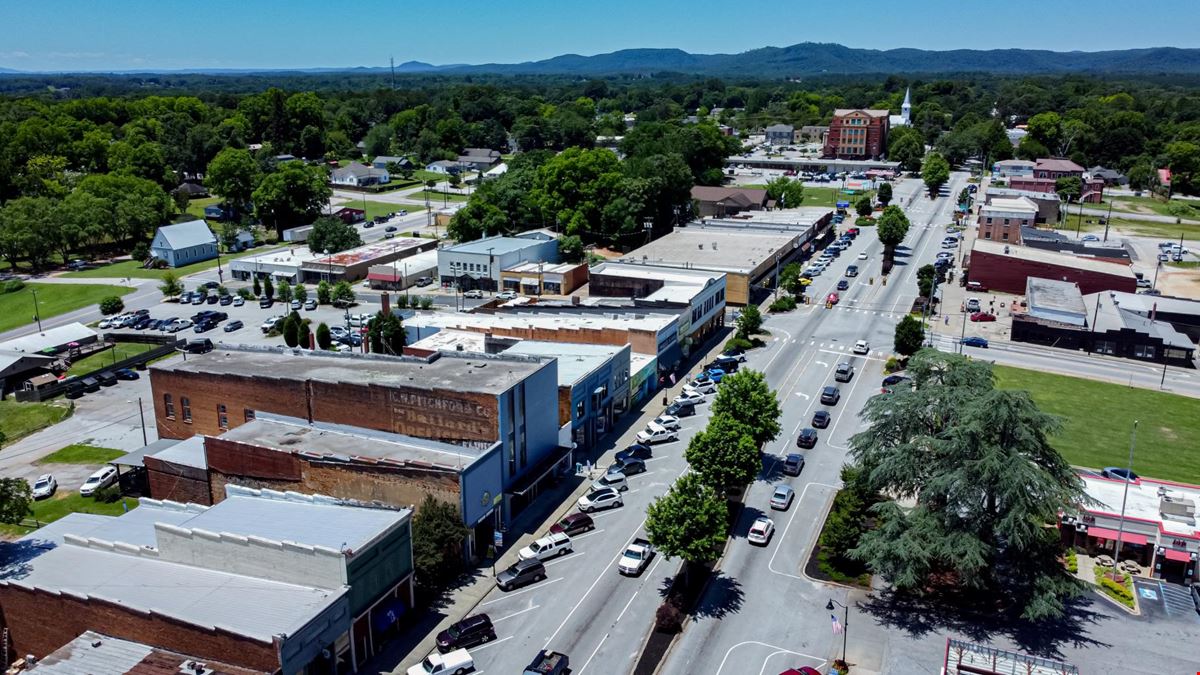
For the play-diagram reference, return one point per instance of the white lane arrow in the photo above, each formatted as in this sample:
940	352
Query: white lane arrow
803	396
821	363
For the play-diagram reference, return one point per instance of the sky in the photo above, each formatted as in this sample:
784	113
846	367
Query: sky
88	35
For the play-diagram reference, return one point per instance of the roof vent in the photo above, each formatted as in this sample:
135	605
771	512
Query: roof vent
195	668
714	245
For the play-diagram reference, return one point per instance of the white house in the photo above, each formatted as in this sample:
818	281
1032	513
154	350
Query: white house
443	166
359	175
184	243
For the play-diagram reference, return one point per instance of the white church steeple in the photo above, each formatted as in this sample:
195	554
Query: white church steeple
906	107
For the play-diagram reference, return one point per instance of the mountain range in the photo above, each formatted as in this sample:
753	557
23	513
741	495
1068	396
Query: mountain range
800	60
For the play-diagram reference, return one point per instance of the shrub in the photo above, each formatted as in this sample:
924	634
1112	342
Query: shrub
245	294
864	221
108	494
668	618
140	252
784	303
401	301
737	342
892	365
13	285
1072	561
111	305
1117	590
426	302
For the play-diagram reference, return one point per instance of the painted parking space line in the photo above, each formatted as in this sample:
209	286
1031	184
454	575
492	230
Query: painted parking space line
777	650
509	616
510	594
489	644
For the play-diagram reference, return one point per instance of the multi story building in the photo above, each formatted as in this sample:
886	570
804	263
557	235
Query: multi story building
780	134
1002	218
479	263
857	134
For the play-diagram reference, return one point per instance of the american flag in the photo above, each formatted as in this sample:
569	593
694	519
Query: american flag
837	625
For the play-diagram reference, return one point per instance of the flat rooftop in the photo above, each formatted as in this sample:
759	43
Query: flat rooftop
477	373
679	285
292	256
133	527
1020	204
1092	264
51	337
1144	501
338	442
362	254
92	653
453	340
714	248
496	245
575	360
546	268
802	216
628	320
1062	296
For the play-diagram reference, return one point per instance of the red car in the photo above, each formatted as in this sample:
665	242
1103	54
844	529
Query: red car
832	299
983	316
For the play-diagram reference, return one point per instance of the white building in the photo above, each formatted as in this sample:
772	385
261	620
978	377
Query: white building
904	119
281	264
477	264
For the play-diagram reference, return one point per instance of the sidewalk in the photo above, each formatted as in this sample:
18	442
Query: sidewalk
554	503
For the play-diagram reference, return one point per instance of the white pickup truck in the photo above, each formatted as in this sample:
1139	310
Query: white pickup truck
550	546
450	663
635	558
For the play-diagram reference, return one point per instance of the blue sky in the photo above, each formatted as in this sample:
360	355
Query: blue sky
161	34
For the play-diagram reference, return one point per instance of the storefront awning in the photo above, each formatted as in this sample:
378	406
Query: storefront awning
1177	555
1111	535
529	281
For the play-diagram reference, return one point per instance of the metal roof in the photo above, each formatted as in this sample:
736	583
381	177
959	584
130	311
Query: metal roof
1089	263
135	526
497	245
134	458
575	360
188	452
717	248
186	235
1110	315
51	337
92	653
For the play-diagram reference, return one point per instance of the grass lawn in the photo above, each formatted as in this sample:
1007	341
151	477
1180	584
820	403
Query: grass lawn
21	419
1131	224
817	196
16	309
63	503
81	453
437	198
132	268
374	209
119	352
1098	417
1182	208
196	207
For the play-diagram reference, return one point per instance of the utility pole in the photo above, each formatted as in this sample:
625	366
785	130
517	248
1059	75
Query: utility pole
37	315
1125	497
392	62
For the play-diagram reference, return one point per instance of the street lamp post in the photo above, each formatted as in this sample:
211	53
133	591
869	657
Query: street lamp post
37	315
1125	497
777	275
329	257
845	622
142	415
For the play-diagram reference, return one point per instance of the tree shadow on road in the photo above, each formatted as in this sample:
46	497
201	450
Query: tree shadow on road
920	615
723	597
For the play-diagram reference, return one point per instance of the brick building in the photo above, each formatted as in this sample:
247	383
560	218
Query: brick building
1006	268
714	201
857	134
1047	171
1001	219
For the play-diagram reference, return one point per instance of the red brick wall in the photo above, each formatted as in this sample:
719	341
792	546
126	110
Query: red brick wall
876	144
177	483
1008	274
205	392
41	622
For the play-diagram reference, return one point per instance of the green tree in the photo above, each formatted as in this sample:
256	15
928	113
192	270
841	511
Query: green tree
786	192
343	294
171	287
111	305
925	276
746	397
690	521
910	334
15	498
908	149
268	287
300	293
749	322
332	235
1069	188
291	330
981	483
303	335
789	278
233	174
284	292
386	334
885	194
863	206
724	454
438	535
1142	176
324	292
23	224
293	195
892	227
570	248
324	337
257	288
935	173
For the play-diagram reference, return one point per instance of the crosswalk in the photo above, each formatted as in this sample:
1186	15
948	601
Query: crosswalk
835	348
859	310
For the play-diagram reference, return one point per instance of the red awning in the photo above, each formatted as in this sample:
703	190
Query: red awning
1176	554
1111	535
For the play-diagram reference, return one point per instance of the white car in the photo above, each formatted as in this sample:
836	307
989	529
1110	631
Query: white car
271	324
861	347
862	256
656	433
705	386
689	396
615	480
670	422
450	663
508	295
636	557
814	271
600	499
761	531
178	325
102	478
45	486
550	546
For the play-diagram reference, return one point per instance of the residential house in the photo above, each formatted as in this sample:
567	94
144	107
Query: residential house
184	243
1109	176
857	134
479	159
444	166
780	134
383	161
355	174
718	202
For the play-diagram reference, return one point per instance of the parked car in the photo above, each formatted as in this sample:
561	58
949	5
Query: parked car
821	419
983	316
45	486
271	324
507	295
627	466
615	481
807	438
973	305
974	341
233	325
861	347
656	433
689	396
761	531
310	304
574	524
226	300
296	305
894	379
550	546
781	498
198	346
830	395
793	464
844	372
727	363
598	500
101	478
473	293
106	378
549	663
669	421
636	557
239	301
450	663
1117	473
680	410
265	302
521	573
126	374
1144	283
704	386
471	631
842	284
204	326
636	451
976	287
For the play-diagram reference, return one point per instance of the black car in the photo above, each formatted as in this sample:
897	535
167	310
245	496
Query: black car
107	379
265	302
831	395
211	284
471	631
636	451
680	410
126	374
205	326
729	364
574	524
233	325
212	299
226	300
521	573
390	228
821	419
843	285
627	466
894	379
1117	473
793	464
807	438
